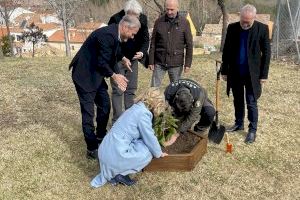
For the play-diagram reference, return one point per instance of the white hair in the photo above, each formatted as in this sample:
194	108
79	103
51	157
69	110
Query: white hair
133	6
248	8
130	21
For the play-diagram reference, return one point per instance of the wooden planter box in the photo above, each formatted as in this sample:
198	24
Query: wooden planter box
179	162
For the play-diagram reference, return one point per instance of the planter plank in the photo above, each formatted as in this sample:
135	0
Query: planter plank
180	162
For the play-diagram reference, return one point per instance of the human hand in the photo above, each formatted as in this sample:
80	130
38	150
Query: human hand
138	55
224	77
164	154
262	81
126	62
151	67
187	69
172	140
120	80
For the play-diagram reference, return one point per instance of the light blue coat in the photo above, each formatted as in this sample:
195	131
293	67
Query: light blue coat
129	145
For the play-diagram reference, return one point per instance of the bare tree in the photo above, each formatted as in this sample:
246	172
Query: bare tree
221	3
160	7
65	9
34	35
1	50
7	7
157	8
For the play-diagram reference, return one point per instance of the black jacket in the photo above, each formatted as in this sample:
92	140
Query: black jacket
259	53
140	42
199	95
96	58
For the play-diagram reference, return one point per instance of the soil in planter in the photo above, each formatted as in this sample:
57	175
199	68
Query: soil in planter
184	144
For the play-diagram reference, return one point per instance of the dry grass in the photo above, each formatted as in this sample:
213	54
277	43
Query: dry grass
43	153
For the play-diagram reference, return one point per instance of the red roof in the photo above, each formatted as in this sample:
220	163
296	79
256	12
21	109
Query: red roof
3	30
89	25
48	26
74	36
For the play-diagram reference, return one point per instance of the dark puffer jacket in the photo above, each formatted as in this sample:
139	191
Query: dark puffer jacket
169	39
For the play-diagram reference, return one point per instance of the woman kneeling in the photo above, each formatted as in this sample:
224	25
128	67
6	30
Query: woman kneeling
130	144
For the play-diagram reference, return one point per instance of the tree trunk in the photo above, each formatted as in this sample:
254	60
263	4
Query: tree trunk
161	9
1	51
6	18
66	32
33	49
221	3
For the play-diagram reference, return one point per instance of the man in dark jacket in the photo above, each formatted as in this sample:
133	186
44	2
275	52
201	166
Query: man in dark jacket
190	103
171	35
94	61
132	51
246	59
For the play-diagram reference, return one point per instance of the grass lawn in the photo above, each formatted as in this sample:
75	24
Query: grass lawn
42	151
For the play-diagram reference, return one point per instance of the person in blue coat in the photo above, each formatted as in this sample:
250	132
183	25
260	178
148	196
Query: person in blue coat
131	143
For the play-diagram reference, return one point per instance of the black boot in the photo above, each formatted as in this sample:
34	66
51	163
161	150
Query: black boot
125	180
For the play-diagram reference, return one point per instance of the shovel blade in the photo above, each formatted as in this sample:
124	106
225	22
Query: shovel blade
216	133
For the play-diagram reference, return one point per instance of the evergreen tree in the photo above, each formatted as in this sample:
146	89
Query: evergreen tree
5	46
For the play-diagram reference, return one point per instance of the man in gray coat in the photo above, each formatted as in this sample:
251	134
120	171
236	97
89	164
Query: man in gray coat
246	59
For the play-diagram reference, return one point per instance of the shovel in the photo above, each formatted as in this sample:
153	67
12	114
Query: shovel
216	131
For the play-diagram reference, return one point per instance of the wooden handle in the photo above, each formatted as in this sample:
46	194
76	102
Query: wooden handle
227	138
217	95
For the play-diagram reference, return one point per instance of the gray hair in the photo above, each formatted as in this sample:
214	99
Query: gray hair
133	6
130	21
248	8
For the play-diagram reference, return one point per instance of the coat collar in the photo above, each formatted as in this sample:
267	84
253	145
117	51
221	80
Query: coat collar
166	19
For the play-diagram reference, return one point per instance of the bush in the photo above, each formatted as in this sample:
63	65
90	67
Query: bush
5	45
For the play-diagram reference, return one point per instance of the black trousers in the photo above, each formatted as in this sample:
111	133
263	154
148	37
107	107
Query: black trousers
241	89
207	116
88	100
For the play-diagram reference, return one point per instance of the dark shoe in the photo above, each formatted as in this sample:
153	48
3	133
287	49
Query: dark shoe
125	180
113	182
92	154
235	128
250	138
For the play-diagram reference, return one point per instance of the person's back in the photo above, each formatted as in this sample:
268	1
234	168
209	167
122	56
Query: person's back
189	102
86	62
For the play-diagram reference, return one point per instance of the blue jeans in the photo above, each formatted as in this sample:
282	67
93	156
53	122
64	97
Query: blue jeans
160	71
239	86
88	100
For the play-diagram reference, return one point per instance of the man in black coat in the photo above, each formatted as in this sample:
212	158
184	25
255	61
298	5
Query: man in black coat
93	62
190	104
246	59
132	51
